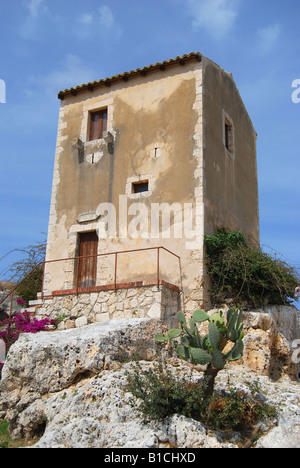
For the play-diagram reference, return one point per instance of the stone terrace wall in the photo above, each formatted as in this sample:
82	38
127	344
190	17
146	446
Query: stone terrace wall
161	303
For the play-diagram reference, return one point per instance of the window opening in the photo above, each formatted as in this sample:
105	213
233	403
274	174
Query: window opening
139	187
98	124
228	136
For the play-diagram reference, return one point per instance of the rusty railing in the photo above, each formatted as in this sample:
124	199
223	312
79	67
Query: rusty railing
77	288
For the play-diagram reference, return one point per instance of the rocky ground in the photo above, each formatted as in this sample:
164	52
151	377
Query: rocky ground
70	387
98	412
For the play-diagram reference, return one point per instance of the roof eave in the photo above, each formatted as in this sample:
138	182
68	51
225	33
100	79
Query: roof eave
133	73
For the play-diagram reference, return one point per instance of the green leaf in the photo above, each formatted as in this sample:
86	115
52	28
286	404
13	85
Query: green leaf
217	319
205	342
198	338
183	352
232	316
192	325
161	338
218	360
213	335
174	332
235	324
200	356
200	316
236	352
181	318
185	341
240	321
186	328
233	335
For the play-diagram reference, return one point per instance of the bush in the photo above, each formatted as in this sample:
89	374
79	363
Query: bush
29	288
242	272
4	434
236	410
162	394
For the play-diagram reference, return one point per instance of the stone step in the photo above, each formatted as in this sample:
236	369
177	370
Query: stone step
37	302
44	294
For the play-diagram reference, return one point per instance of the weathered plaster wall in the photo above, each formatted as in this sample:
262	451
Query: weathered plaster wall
168	128
161	111
231	190
165	122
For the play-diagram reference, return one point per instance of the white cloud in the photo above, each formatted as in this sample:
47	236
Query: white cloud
106	17
268	38
216	16
37	10
36	7
87	18
102	20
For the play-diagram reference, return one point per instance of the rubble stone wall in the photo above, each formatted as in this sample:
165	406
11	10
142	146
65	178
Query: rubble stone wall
152	302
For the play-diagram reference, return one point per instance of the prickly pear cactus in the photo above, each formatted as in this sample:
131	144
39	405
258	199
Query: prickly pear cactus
207	350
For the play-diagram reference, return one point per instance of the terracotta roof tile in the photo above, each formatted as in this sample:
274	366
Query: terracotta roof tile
159	66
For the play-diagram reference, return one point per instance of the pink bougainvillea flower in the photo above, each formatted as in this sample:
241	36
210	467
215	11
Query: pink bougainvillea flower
20	301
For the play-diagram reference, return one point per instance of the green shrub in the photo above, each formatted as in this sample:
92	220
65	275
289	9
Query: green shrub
31	285
236	410
7	442
162	394
4	434
243	272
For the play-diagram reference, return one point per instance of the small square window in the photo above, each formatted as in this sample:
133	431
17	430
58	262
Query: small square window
139	187
98	124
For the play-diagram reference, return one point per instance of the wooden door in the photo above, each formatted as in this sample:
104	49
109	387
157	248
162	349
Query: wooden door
87	266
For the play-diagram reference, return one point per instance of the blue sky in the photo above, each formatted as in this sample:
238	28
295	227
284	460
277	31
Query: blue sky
49	45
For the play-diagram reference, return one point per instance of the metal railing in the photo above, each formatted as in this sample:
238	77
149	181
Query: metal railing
78	258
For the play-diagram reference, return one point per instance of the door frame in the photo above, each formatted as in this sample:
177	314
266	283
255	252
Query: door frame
86	268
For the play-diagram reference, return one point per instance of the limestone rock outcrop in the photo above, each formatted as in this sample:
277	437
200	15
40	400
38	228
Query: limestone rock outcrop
70	386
